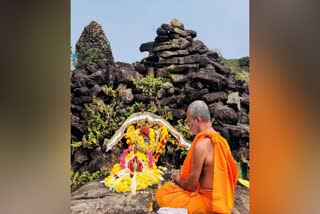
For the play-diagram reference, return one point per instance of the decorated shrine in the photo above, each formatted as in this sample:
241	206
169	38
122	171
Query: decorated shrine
146	136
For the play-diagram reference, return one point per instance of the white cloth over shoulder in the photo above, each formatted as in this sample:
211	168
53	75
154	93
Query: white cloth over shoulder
170	210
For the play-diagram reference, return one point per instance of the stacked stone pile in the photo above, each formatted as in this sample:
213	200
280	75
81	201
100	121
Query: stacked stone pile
195	72
94	41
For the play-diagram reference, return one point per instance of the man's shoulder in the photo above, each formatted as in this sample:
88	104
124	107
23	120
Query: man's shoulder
203	143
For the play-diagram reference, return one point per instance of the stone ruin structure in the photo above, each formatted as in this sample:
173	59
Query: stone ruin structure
193	70
93	40
197	73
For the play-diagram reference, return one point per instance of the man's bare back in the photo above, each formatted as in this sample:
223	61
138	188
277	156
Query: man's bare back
206	176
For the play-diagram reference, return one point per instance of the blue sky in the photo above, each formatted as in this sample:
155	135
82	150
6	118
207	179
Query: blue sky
222	25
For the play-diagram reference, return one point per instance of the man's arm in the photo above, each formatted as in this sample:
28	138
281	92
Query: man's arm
198	157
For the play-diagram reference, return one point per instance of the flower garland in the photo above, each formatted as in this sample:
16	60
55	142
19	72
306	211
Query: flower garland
162	144
138	136
146	132
121	180
122	158
150	160
137	169
130	136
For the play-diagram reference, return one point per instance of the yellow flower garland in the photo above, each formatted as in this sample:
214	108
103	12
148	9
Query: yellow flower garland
133	136
130	136
140	140
120	180
161	145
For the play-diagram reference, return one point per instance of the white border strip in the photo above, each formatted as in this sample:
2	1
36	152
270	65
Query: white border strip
134	118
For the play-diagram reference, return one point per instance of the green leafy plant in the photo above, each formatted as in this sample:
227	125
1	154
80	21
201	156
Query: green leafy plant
79	179
148	85
86	55
165	113
243	170
239	66
109	91
183	129
135	107
244	62
102	121
75	145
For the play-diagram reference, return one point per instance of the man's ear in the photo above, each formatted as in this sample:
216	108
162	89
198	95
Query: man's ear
198	119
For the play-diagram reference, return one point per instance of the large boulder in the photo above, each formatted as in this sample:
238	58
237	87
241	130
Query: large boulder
94	197
224	113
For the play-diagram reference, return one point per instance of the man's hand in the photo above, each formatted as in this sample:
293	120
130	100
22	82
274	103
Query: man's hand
176	176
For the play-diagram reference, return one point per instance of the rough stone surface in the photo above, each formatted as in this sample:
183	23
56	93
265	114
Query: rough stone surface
181	68
224	113
143	98
179	113
146	46
93	37
234	100
161	93
180	32
178	78
166	100
214	97
140	67
95	90
175	23
94	197
127	96
244	101
240	131
196	94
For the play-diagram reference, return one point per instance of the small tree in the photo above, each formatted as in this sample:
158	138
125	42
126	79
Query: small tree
244	62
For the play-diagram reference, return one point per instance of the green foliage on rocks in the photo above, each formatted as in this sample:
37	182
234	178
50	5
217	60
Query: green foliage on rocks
79	179
148	85
239	66
86	55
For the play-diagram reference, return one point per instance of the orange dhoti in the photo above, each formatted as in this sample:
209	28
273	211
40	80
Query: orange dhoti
171	195
220	198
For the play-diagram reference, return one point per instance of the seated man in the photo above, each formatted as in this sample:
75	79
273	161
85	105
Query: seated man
209	174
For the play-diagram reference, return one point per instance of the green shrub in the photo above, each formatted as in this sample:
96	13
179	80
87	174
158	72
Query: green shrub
148	85
244	62
86	55
79	179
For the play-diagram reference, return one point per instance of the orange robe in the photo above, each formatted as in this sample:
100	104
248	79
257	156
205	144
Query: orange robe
220	198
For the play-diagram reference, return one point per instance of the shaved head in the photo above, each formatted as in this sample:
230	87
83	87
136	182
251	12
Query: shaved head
199	109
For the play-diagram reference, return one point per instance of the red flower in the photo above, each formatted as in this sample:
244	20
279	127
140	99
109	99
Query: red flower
137	162
144	130
156	156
